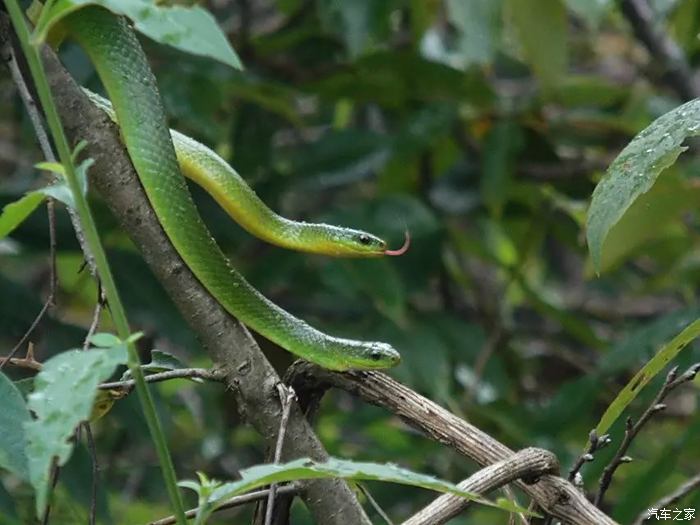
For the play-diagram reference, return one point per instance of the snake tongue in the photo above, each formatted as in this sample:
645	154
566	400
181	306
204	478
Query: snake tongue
403	249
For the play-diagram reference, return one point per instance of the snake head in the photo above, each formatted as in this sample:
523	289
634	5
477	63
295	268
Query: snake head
383	355
372	356
345	242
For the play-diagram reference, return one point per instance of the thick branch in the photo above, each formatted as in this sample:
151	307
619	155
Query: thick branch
248	374
528	464
555	495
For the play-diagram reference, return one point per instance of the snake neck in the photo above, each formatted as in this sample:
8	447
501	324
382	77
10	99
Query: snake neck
305	236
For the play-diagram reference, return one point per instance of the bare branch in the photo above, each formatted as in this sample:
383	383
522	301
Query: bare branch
632	429
23	362
11	356
180	373
555	495
287	397
595	443
528	464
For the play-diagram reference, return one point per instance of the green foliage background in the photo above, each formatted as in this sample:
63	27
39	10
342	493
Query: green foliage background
480	126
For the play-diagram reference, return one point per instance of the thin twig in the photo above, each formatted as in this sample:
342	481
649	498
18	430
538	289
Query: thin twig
595	443
95	316
182	373
234	502
28	333
378	509
672	498
55	471
43	139
632	429
287	397
95	472
27	361
46	148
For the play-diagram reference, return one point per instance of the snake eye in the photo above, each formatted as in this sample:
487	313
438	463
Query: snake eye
364	239
375	355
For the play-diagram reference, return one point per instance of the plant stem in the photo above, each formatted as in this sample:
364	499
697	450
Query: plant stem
93	240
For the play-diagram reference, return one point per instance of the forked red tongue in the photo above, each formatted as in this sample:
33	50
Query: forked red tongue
403	249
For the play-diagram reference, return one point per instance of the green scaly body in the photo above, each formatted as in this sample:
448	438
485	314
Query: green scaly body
124	71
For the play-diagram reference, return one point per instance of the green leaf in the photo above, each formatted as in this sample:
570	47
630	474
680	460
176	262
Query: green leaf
652	216
13	415
204	489
105	340
63	397
542	34
16	212
636	169
305	468
655	365
162	361
189	28
61	192
53	167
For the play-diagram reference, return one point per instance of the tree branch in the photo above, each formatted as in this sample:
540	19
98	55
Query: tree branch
555	495
644	23
248	374
671	382
528	464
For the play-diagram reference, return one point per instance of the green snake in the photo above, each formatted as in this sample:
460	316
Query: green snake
123	68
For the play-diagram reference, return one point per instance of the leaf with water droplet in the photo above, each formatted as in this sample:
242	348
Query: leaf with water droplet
636	169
